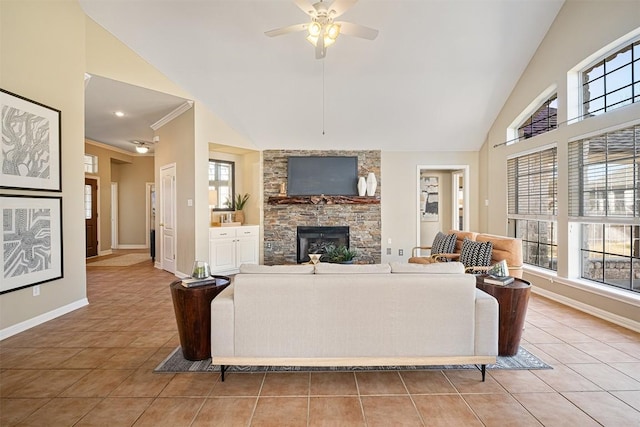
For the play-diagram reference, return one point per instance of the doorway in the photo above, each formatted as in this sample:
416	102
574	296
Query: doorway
442	198
91	216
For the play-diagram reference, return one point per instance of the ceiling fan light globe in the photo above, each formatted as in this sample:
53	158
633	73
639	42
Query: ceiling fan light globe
312	40
314	29
332	32
142	149
328	41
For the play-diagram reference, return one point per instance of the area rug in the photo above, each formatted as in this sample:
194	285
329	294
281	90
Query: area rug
121	261
175	362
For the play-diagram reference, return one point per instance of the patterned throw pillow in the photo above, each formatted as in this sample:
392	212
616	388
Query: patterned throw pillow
443	243
476	254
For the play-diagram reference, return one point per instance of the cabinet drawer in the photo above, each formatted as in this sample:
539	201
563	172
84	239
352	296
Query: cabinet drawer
215	233
246	231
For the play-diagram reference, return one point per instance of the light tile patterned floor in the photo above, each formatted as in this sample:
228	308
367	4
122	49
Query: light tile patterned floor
95	367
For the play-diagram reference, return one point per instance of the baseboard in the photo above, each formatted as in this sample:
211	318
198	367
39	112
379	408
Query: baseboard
107	252
38	320
133	247
589	309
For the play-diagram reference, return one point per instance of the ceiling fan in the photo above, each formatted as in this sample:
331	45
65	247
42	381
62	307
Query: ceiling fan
142	147
323	30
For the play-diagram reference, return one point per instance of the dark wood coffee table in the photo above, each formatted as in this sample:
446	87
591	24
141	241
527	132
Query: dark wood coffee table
193	315
512	301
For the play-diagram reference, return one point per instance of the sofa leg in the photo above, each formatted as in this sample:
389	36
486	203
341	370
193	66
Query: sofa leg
222	369
484	371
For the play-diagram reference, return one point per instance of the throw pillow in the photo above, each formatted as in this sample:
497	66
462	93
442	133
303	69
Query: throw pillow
443	243
476	254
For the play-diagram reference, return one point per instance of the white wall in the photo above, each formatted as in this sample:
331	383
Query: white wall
43	59
580	30
400	191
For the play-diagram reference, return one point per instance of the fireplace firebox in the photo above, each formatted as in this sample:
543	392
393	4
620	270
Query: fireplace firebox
315	240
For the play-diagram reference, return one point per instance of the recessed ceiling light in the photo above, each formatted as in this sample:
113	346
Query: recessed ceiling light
119	113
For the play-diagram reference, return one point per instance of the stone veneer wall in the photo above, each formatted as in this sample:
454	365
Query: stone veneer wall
280	221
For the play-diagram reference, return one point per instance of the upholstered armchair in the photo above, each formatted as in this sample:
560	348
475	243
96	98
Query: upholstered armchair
435	255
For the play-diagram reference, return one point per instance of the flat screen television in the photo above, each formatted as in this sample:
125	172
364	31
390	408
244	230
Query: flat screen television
314	175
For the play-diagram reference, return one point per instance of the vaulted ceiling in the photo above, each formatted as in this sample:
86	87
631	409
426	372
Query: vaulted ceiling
434	79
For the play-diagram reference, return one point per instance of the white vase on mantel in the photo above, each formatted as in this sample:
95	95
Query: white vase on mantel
372	184
362	186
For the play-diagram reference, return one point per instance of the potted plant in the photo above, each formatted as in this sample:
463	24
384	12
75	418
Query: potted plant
340	254
240	202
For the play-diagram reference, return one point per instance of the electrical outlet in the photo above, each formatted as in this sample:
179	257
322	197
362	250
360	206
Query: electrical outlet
36	290
400	252
388	251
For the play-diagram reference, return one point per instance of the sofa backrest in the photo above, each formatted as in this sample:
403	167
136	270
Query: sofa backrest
460	236
341	315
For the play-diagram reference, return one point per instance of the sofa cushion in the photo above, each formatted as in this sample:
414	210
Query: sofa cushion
476	254
276	269
443	243
434	268
329	268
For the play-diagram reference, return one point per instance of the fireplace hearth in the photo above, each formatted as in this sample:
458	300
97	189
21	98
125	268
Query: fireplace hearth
315	240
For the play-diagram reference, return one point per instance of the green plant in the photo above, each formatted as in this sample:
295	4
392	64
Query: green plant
340	253
241	200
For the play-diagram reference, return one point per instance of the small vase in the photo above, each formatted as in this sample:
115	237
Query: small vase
362	186
372	184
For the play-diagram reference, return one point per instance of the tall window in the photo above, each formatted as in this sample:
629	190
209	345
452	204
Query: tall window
612	82
532	205
542	120
604	178
221	185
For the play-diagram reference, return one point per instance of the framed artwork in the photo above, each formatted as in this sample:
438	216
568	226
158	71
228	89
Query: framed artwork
429	198
31	143
31	241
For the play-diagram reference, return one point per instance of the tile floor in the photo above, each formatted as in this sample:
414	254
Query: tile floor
95	367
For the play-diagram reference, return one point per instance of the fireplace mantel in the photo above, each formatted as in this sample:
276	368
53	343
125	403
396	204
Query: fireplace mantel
323	200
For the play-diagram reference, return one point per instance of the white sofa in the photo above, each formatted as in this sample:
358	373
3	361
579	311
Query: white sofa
354	315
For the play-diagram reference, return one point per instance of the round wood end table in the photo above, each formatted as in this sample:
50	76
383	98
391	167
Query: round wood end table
512	302
193	314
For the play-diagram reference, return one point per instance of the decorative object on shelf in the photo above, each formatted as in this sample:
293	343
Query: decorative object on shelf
200	270
31	142
32	240
340	254
314	258
362	186
241	200
372	184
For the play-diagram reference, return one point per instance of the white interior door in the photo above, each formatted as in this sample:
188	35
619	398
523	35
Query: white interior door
114	215
168	217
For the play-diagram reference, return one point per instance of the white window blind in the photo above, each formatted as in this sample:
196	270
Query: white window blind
532	183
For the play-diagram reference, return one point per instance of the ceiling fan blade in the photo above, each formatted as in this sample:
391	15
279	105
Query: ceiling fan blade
321	49
306	7
357	30
286	30
340	6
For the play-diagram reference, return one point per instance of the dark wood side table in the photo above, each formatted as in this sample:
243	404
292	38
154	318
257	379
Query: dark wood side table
512	301
193	315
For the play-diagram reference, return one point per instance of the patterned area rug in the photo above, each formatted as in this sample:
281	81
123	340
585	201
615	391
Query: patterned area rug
121	261
175	362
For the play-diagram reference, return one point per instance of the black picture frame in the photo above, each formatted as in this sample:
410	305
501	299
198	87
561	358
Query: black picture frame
31	241
31	150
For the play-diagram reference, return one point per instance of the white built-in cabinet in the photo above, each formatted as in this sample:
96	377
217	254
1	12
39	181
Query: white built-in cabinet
231	246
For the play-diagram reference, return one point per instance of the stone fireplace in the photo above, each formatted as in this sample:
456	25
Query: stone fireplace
281	220
316	240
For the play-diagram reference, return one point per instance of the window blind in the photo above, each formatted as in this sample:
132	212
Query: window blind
532	183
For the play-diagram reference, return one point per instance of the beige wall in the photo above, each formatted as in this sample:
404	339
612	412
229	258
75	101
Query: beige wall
132	200
581	29
43	59
177	146
399	194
